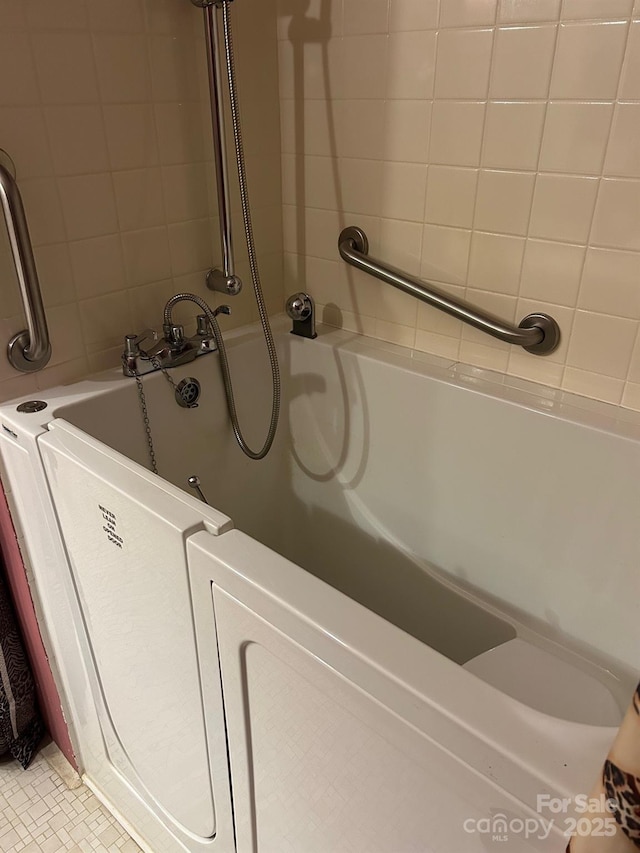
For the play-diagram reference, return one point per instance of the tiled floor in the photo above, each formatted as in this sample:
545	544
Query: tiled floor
39	813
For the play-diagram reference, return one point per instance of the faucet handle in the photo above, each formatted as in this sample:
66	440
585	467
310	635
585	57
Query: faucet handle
132	342
173	334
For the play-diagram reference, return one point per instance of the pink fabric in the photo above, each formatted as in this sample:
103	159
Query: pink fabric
48	696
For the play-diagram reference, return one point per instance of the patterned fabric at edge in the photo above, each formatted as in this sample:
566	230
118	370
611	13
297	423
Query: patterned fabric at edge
619	786
21	727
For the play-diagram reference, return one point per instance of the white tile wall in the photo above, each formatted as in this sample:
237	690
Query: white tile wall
498	140
104	110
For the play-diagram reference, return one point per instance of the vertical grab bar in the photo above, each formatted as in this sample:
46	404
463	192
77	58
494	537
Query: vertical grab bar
28	350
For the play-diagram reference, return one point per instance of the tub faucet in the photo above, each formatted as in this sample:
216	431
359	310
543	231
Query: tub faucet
170	350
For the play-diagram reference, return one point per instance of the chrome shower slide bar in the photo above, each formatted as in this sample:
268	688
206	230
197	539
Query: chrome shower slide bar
223	280
28	350
537	333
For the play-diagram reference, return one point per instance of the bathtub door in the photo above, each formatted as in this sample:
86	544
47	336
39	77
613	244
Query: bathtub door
332	750
124	531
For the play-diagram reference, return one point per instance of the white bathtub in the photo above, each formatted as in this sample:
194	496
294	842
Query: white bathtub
312	665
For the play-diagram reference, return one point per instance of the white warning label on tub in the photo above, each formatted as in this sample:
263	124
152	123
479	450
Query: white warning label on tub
110	526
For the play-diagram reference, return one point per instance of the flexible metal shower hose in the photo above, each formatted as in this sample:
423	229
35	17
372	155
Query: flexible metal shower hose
226	374
255	274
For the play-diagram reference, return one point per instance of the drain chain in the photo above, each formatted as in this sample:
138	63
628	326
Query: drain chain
147	425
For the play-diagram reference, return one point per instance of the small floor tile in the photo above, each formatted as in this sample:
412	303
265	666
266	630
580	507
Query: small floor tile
39	813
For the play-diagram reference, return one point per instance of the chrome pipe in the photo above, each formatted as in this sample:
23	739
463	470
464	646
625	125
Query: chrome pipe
537	333
30	349
224	280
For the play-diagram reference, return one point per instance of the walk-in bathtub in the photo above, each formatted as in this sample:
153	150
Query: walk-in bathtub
416	617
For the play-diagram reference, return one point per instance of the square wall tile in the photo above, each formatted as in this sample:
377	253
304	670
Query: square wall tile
364	16
77	139
588	61
61	15
609	9
174	68
365	68
602	344
411	65
623	152
12	16
65	66
66	343
468	13
512	135
527	11
397	307
131	135
611	283
631	396
563	207
123	68
634	367
575	137
445	254
358	293
403	191
413	15
88	206
551	272
593	385
456	133
451	196
18	82
491	356
97	266
496	262
361	188
522	62
403	336
406	130
401	244
617	215
139	199
104	318
185	191
504	201
54	271
463	64
343	68
24	136
360	128
180	132
630	85
117	15
43	209
435	344
539	370
190	245
146	256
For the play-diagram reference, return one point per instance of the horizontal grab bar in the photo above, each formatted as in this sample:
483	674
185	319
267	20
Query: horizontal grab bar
537	333
28	350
